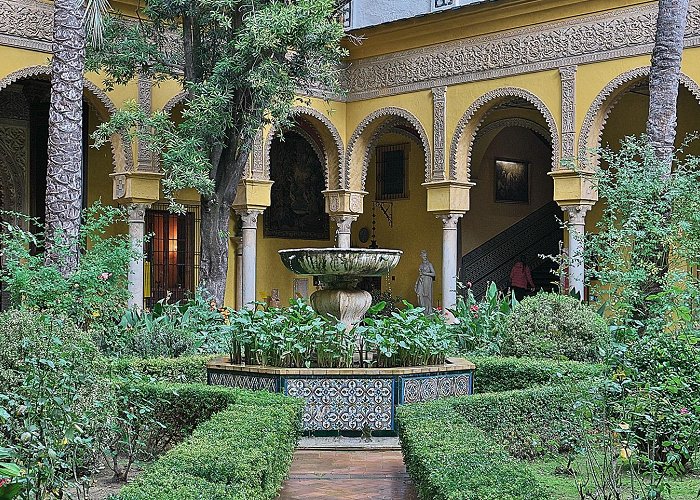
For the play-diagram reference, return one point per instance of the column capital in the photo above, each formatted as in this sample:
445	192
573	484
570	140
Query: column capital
137	212
136	187
577	213
343	221
249	217
449	220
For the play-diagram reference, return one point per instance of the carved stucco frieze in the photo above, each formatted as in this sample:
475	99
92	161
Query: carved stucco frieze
26	24
568	111
470	123
612	34
387	118
439	132
145	99
257	158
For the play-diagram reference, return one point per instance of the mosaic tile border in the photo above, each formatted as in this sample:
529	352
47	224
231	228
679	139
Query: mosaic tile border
432	387
239	380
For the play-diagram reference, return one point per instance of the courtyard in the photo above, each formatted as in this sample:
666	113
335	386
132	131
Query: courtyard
350	249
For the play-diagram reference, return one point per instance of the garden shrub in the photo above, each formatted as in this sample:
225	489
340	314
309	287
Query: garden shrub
180	408
243	452
498	374
554	326
185	369
50	406
531	422
450	459
95	294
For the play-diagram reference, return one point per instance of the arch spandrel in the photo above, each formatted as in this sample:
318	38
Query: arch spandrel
470	123
591	135
366	135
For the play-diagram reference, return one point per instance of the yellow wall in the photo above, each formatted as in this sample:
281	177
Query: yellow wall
413	228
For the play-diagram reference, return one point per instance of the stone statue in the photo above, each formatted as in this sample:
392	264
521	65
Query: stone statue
424	283
274	299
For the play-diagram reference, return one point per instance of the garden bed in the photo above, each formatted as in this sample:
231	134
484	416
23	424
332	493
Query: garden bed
350	399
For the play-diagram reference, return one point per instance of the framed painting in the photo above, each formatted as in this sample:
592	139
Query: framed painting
512	181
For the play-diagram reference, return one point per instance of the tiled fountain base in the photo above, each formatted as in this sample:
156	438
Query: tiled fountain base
350	399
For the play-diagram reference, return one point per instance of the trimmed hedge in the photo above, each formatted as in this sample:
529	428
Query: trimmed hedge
243	452
498	374
185	369
182	407
449	459
531	422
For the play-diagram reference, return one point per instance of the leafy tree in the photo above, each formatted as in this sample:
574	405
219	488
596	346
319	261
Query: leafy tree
244	62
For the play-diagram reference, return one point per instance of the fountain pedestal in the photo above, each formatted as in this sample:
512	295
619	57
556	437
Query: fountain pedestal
348	306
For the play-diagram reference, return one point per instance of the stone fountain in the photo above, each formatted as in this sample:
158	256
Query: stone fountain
340	270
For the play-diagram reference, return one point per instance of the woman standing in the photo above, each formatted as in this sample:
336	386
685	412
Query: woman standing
521	279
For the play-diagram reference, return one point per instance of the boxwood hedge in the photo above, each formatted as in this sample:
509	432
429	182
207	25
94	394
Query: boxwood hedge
180	408
185	369
450	459
243	452
498	374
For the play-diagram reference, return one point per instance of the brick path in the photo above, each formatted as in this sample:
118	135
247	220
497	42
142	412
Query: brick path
348	475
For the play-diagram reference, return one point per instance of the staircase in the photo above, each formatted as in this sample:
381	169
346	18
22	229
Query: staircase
537	234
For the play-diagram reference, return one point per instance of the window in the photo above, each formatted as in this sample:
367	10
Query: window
171	265
392	172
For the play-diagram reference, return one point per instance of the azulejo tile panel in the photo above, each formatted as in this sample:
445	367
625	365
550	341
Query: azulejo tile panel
242	381
430	388
345	403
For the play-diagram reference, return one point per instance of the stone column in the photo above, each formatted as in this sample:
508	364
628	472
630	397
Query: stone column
137	229
577	232
249	229
449	259
239	271
344	223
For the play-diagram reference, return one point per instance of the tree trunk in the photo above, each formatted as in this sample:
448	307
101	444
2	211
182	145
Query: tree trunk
64	171
665	77
214	259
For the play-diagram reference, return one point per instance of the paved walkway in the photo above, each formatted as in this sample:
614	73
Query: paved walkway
348	475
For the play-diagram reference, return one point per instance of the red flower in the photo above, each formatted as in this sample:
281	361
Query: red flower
474	308
684	411
469	284
3	482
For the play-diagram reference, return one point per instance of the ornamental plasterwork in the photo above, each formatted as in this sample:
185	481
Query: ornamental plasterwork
14	165
333	154
568	111
591	135
439	132
367	133
468	127
26	24
609	35
174	101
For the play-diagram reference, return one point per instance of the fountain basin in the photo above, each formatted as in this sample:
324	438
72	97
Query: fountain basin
337	267
350	399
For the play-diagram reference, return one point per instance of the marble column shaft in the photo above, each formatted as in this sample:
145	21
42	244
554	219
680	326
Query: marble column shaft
449	259
577	233
249	230
137	229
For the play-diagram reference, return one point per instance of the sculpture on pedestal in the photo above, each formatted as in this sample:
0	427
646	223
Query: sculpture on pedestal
424	283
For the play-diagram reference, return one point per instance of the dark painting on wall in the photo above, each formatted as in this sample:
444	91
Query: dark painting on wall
297	209
512	181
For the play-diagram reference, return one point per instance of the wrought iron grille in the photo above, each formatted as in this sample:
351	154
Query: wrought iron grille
392	172
172	252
